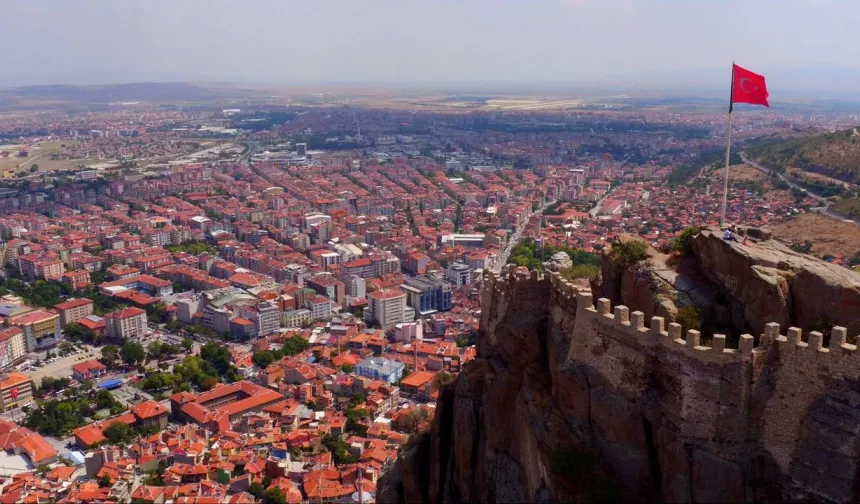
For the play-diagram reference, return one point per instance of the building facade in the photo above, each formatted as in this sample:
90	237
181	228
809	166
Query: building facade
127	323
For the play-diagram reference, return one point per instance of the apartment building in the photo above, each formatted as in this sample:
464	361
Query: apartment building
386	307
13	346
297	318
73	310
41	328
127	323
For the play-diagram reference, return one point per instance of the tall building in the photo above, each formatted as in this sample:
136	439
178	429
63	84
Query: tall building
127	323
13	346
427	294
41	328
386	307
355	286
265	316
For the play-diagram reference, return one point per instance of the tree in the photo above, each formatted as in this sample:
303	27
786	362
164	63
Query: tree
274	496
690	317
118	432
153	350
443	378
684	242
187	344
133	353
257	490
262	358
216	355
77	332
347	368
104	482
110	354
629	253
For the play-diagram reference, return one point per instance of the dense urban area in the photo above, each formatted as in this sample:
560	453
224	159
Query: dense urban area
260	300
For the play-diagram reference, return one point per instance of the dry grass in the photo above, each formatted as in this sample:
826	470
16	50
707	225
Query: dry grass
742	172
40	154
828	236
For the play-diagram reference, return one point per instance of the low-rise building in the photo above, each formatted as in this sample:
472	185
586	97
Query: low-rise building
88	370
378	368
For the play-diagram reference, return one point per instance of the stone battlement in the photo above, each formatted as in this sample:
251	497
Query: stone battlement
627	327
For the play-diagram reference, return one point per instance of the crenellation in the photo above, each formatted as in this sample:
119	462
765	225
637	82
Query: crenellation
745	344
719	343
816	340
838	337
585	301
693	338
603	306
675	333
637	320
794	335
657	327
771	333
622	315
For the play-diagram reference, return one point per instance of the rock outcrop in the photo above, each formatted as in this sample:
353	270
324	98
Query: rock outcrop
560	376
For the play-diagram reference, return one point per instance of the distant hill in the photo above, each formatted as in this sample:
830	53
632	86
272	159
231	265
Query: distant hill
147	92
835	155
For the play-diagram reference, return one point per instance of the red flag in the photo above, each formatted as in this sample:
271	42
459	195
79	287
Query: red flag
14	393
748	87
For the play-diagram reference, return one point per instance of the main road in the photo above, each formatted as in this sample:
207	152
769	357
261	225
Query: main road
515	239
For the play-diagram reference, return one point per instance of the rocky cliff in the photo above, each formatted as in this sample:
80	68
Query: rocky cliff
569	394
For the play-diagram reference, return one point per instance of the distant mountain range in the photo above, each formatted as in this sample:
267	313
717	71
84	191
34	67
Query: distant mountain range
61	95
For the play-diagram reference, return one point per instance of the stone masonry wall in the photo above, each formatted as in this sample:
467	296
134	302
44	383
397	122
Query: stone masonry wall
704	422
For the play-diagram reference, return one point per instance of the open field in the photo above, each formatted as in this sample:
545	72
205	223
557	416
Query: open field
39	154
742	172
535	104
827	236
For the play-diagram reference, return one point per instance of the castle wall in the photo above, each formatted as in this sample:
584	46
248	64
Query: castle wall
701	421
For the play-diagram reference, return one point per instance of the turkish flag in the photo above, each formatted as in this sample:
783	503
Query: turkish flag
748	87
14	393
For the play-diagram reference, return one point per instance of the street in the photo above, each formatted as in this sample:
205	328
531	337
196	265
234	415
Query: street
515	239
824	209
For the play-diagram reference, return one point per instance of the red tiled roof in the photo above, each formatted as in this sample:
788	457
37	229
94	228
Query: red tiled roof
73	304
148	409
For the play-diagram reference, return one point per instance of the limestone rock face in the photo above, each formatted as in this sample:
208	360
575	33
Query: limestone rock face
776	284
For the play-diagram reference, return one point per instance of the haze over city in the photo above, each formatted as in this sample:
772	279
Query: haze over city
805	44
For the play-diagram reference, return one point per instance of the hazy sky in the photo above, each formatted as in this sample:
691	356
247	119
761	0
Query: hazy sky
95	41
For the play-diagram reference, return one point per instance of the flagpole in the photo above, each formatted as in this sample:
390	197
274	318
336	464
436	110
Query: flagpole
728	149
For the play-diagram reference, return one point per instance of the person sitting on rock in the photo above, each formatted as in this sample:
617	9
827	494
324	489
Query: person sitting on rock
728	236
